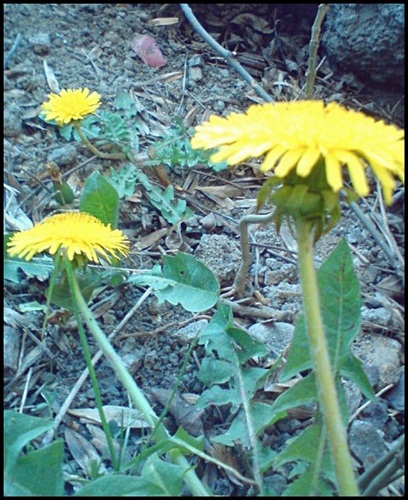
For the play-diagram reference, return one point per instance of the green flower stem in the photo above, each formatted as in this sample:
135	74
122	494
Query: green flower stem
137	396
93	149
321	361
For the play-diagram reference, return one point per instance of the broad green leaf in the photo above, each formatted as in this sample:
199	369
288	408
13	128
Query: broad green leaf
340	305
119	486
87	280
301	393
214	334
184	280
352	368
100	199
168	476
37	473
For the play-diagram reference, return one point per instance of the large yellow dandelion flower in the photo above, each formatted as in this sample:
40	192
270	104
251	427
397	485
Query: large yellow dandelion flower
297	135
71	104
77	233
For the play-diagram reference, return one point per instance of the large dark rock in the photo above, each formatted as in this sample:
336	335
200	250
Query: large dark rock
368	41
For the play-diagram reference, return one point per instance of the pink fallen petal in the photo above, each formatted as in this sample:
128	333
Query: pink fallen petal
146	48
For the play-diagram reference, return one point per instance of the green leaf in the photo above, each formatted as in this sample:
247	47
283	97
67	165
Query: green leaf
195	442
124	180
301	393
100	199
87	281
352	368
119	486
340	305
37	473
215	371
307	482
124	102
168	476
172	210
184	280
39	268
249	347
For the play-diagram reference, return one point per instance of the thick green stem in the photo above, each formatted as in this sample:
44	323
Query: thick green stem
321	361
142	404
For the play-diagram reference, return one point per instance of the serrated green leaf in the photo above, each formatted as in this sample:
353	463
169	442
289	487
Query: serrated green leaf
172	210
307	482
195	442
40	268
100	199
218	396
215	371
249	347
340	305
123	180
184	280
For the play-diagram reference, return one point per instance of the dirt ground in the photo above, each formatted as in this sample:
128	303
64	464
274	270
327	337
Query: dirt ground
89	45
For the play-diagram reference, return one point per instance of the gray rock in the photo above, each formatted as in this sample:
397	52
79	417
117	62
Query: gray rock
186	334
276	336
12	125
396	396
64	156
221	254
380	352
366	443
366	40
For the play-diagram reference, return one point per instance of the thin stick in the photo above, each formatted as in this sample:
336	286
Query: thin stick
226	54
313	46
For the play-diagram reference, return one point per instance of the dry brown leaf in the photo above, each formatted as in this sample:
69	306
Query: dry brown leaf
223	191
125	417
150	239
83	452
51	78
185	415
163	21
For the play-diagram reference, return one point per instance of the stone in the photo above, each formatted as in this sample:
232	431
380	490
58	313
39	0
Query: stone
276	336
366	40
63	156
380	352
221	254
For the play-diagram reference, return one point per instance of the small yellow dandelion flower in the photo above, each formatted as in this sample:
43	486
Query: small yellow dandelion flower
71	104
297	135
77	233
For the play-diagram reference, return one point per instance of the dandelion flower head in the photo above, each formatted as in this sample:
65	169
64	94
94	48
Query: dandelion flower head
77	233
297	135
70	104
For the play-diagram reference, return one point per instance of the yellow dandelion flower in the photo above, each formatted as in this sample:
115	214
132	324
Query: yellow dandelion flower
297	135
77	233
71	104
